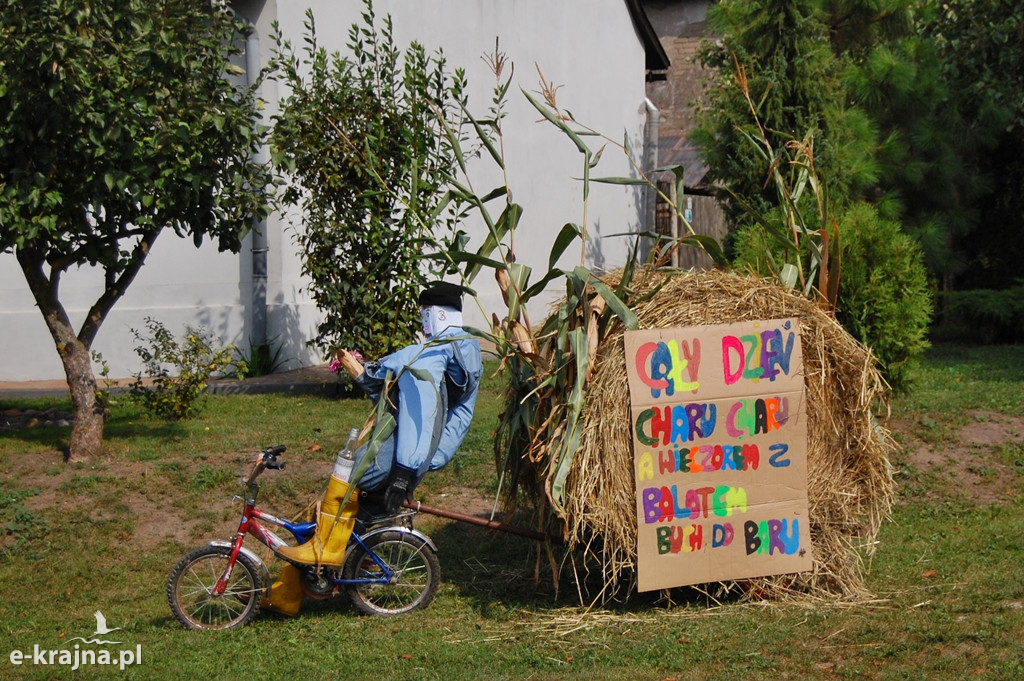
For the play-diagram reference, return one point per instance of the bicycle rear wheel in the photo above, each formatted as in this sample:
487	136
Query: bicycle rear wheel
416	578
190	589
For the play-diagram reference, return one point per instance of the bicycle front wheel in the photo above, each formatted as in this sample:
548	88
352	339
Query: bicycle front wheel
413	584
191	583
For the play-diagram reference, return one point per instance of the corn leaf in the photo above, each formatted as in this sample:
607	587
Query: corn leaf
621	180
574	427
485	139
507	221
453	138
495	193
569	233
464	256
558	123
519	276
420	374
615	303
542	284
383	424
788	275
709	245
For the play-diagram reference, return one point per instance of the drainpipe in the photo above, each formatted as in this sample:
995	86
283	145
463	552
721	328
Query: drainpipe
650	163
258	313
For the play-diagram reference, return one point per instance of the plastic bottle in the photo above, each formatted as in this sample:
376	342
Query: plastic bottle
345	461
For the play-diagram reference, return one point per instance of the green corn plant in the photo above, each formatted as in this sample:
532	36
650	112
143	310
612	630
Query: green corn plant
548	368
576	132
809	243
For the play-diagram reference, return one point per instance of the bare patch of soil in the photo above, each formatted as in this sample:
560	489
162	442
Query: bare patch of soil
987	432
105	489
143	494
466	501
972	465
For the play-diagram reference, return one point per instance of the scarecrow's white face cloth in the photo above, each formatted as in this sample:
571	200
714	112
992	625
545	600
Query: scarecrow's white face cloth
437	318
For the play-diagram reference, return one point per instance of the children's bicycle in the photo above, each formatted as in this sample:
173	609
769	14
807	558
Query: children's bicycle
389	568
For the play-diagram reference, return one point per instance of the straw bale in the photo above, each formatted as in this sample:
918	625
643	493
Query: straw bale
850	488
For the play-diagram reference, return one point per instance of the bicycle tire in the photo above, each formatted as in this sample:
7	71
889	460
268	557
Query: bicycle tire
194	577
416	580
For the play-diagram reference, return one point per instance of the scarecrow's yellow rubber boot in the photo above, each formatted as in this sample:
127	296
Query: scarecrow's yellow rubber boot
285	593
327	546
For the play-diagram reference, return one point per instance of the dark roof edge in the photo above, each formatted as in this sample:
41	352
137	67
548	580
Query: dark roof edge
657	61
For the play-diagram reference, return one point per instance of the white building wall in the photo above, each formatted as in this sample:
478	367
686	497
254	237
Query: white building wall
588	47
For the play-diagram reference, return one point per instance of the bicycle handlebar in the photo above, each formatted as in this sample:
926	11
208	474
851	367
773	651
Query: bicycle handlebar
267	459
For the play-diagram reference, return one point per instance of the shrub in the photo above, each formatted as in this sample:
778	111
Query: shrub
194	358
984	315
361	142
263	359
884	297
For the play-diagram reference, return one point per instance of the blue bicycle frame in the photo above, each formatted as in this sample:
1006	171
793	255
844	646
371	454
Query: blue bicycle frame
303	532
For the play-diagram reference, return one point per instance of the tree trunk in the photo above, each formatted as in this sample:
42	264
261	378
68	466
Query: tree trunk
90	413
74	349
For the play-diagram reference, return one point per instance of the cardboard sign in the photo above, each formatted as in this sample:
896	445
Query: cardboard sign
720	452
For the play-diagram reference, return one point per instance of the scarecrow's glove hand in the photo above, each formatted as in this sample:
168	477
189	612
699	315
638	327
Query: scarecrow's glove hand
399	487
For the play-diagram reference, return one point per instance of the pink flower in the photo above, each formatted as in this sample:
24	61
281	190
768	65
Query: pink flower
335	365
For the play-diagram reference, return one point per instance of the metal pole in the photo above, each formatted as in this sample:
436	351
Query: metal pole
473	520
258	312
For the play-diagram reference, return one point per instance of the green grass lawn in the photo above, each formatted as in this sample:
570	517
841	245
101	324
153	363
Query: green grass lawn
949	593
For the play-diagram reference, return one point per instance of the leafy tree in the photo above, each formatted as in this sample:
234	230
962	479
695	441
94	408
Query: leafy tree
982	43
797	151
981	47
942	84
861	78
116	122
896	74
885	301
361	140
779	49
